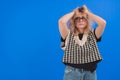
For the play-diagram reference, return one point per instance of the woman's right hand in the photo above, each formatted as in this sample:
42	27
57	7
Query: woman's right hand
76	9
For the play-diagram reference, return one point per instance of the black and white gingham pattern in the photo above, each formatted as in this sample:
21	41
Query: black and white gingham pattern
77	54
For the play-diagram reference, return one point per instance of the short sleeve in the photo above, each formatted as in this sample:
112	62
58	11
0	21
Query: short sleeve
62	42
97	39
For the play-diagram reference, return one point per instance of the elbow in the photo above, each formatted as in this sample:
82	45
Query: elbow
60	21
104	23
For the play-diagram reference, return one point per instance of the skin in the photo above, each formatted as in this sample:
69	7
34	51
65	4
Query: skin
64	19
81	24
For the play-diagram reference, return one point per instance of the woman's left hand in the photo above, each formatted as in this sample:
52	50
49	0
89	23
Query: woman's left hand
85	9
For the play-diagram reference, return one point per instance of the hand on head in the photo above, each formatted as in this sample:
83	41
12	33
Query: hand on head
83	9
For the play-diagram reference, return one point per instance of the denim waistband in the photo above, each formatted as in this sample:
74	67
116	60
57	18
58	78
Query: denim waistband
80	69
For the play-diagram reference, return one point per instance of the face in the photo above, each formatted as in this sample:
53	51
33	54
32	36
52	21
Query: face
80	20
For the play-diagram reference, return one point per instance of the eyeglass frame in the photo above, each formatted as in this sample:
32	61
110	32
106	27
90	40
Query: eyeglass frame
78	19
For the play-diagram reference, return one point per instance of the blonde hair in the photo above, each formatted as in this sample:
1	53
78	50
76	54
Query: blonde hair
74	29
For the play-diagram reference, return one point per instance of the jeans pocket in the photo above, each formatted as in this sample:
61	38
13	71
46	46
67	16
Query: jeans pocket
68	69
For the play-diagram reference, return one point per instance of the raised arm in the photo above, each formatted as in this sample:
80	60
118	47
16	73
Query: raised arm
63	24
100	21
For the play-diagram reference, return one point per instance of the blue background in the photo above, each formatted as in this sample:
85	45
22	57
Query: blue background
30	39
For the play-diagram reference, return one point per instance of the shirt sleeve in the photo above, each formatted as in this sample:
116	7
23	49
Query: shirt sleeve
62	42
97	39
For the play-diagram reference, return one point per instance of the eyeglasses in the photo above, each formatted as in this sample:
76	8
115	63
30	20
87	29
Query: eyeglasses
78	19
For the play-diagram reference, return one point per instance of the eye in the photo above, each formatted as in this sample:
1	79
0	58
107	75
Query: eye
77	18
84	19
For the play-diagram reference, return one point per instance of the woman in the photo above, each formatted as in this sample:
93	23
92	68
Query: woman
81	54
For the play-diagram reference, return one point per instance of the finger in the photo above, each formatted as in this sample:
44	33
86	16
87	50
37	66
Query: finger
76	9
84	6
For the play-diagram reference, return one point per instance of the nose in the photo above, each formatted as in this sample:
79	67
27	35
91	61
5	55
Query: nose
81	20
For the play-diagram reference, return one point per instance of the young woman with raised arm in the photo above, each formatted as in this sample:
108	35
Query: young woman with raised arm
81	53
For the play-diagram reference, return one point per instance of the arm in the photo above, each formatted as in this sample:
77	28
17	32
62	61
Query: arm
63	24
100	21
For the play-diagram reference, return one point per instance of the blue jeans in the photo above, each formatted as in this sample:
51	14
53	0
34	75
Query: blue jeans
72	73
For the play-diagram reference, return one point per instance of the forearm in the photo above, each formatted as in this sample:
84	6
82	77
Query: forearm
100	21
66	17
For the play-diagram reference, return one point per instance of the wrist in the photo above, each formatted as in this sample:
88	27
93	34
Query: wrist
88	13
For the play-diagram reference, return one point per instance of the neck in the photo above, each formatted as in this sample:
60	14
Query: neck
81	30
